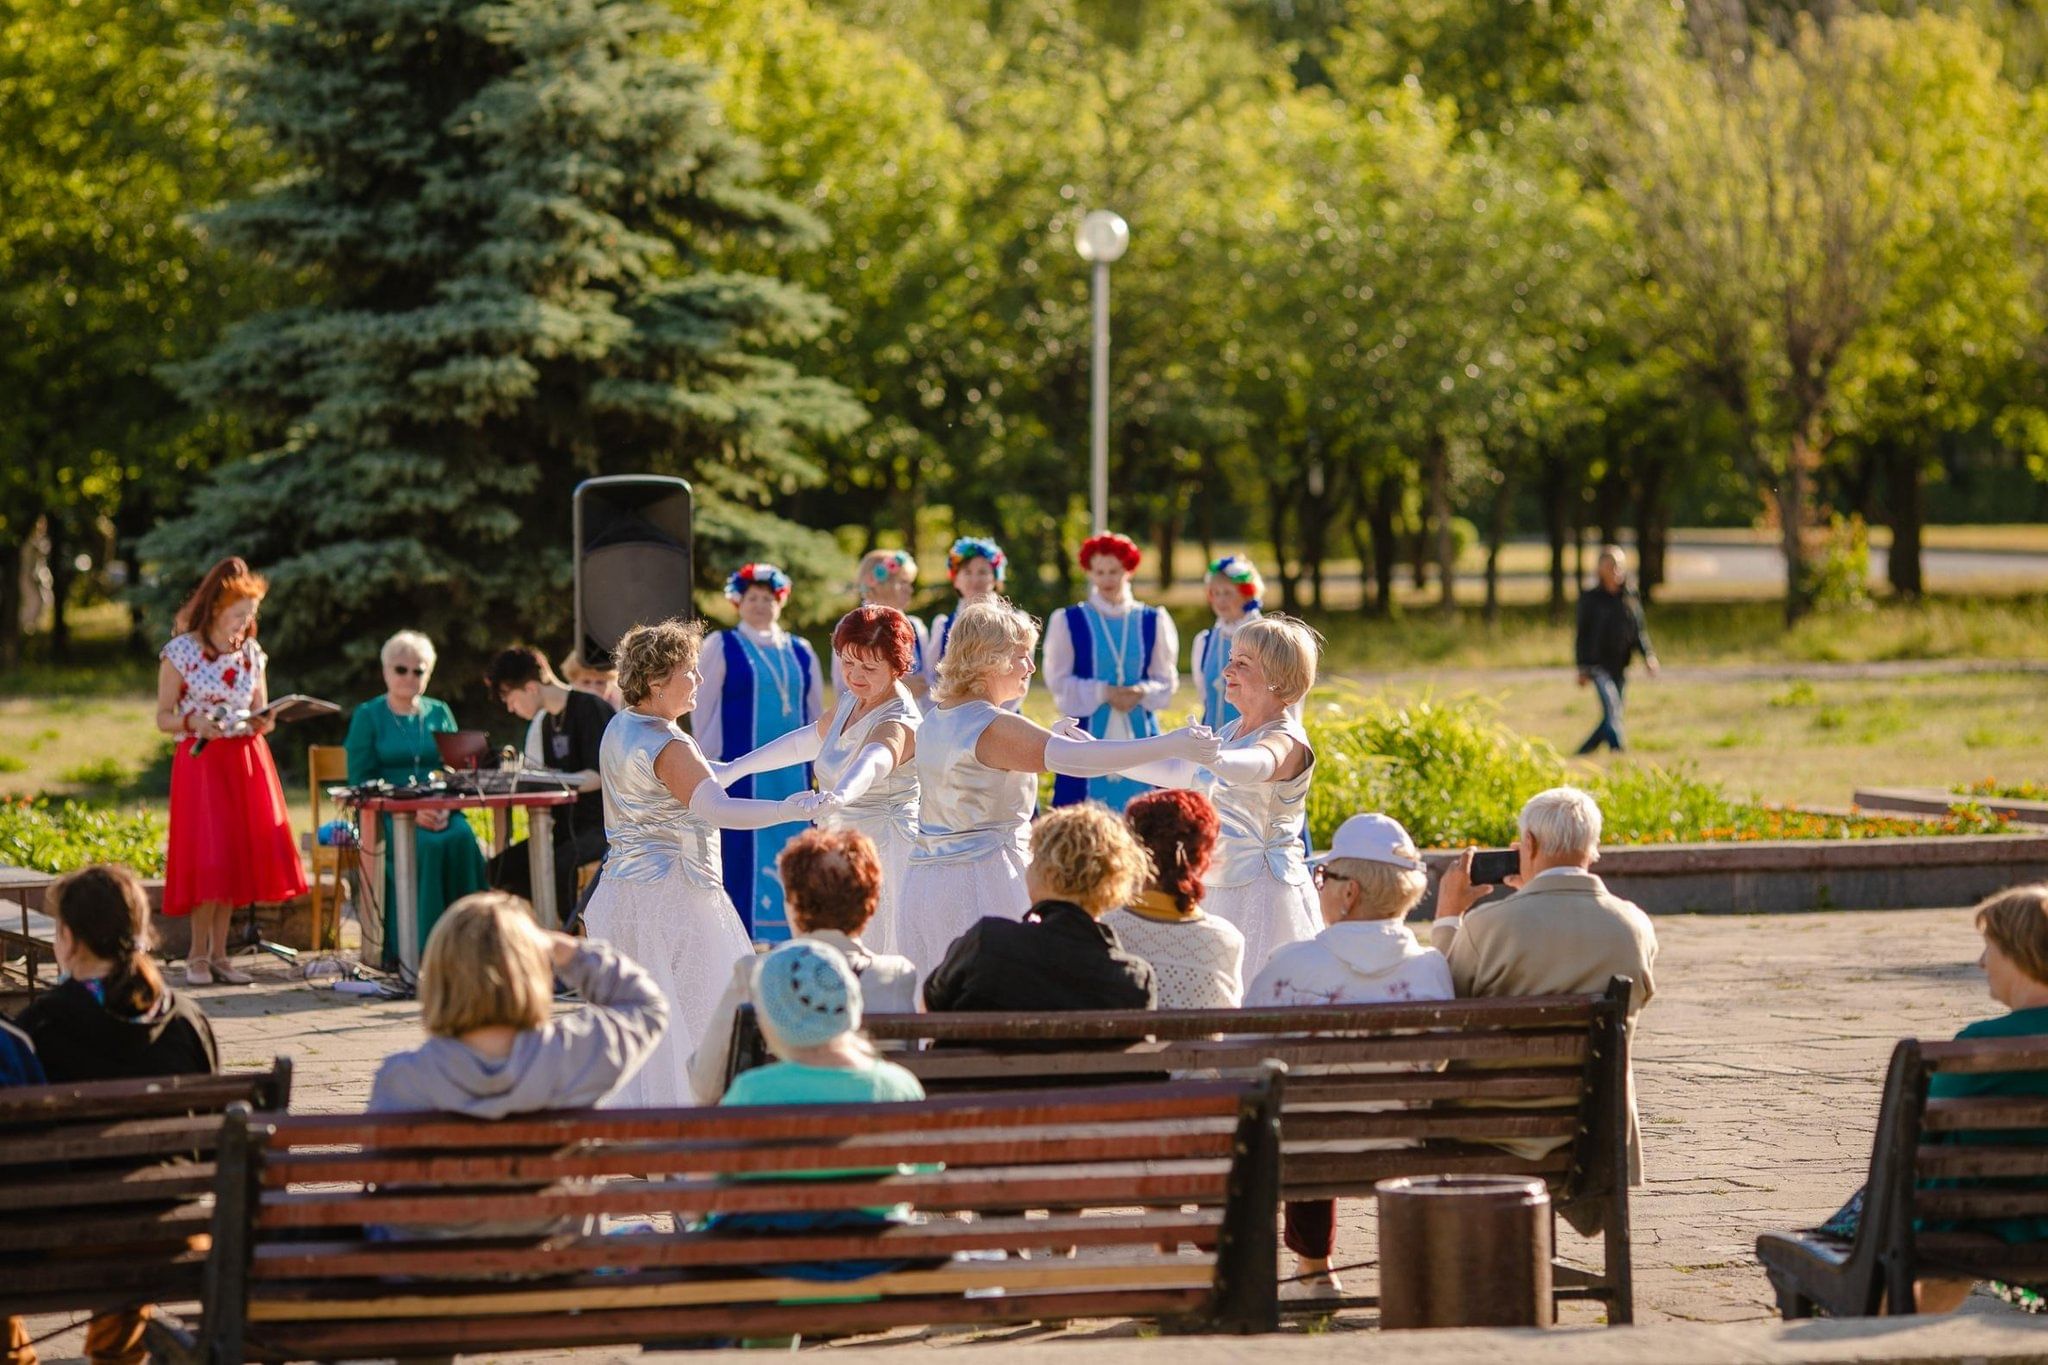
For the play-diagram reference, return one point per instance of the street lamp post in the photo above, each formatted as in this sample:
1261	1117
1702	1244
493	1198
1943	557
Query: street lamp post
1102	238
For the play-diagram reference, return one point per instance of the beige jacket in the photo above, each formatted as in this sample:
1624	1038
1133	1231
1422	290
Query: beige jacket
1564	934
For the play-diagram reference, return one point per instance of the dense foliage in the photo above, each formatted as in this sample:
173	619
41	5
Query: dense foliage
58	836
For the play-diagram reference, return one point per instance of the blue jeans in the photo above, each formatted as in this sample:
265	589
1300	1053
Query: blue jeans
1608	731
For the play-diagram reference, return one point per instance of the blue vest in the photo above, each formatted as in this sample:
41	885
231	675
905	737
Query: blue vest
751	716
1097	641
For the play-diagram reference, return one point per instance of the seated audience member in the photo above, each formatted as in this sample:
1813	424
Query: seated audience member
809	1004
112	1018
486	994
1560	933
831	884
2014	923
1367	883
598	682
1197	959
1060	956
570	733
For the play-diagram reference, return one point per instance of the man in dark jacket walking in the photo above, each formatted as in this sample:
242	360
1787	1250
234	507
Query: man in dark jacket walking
1611	632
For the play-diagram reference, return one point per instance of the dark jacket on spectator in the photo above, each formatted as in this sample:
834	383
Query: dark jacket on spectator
1059	957
80	1039
1611	630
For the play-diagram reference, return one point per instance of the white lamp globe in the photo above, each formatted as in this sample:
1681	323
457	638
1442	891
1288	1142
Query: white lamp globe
1102	237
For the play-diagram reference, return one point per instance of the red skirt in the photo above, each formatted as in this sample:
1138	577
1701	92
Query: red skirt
231	842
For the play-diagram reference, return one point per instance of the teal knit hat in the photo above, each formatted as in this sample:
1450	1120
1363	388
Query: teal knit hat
806	994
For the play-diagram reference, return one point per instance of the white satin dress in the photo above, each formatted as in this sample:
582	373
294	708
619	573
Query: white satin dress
887	811
1259	878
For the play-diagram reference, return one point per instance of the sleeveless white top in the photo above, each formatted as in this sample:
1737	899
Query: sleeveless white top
652	835
967	809
890	805
1261	822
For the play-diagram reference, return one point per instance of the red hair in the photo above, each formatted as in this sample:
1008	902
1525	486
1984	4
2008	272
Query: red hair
883	632
1178	828
1110	543
225	584
832	879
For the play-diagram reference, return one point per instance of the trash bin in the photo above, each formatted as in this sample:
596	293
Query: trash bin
1464	1251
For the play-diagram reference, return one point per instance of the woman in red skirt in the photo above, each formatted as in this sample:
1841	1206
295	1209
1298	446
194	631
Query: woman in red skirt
231	843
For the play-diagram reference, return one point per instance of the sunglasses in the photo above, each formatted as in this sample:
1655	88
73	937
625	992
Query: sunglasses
1320	874
411	670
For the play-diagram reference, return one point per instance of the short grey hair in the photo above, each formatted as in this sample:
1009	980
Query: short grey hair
1564	822
1384	891
408	642
1615	553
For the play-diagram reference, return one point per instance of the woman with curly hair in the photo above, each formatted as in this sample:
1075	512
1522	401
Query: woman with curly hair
977	568
760	683
978	766
1112	664
1234	589
863	749
1198	958
662	899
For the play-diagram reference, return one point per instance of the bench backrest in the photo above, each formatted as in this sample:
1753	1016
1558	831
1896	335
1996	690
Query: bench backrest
323	1219
1947	1173
103	1184
1366	1083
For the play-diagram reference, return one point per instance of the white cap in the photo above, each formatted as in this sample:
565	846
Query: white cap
1373	839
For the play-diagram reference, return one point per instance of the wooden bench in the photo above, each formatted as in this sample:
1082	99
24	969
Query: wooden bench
311	1261
105	1185
1941	1172
1544	1067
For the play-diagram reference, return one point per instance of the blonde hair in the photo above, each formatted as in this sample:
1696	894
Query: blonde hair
2016	919
648	654
1563	822
486	966
1287	650
983	638
408	642
575	671
1384	891
1086	855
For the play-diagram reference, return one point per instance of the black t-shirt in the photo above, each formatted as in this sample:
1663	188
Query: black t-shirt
80	1039
570	743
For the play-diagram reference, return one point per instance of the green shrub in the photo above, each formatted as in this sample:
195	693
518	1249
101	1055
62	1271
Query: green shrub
56	836
100	772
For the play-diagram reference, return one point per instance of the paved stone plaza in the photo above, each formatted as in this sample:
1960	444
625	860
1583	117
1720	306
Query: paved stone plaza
1759	1062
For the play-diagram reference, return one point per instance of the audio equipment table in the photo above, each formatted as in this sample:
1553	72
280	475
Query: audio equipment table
405	808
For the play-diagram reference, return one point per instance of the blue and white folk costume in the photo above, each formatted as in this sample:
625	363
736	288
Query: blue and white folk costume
758	685
1092	647
1211	655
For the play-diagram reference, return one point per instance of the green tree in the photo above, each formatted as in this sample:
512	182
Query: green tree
507	211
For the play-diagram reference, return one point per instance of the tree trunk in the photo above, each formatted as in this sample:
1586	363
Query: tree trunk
1496	532
1653	531
1440	513
1277	499
1792	498
1609	497
1418	548
1554	520
12	549
1904	498
1167	537
1205	513
1379	514
61	573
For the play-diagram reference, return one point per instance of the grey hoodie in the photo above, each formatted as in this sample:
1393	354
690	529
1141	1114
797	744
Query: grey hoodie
570	1062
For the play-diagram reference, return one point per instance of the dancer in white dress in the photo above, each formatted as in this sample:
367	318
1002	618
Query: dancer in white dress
978	768
662	901
1259	785
863	751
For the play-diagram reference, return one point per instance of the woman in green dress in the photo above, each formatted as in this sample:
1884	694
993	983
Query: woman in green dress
392	738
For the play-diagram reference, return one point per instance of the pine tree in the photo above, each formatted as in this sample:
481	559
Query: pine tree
508	216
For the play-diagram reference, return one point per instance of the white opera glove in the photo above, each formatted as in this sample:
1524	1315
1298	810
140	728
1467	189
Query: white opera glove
1242	767
873	763
709	802
800	745
1196	745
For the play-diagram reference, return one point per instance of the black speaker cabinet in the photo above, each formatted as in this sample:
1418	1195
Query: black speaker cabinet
632	558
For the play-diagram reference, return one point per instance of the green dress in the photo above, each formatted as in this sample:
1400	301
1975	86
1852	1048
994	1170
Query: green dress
399	749
2030	1084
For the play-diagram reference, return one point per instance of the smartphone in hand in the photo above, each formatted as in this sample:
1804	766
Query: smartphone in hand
1493	866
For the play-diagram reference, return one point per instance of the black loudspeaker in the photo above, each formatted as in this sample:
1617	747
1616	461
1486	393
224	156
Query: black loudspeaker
632	558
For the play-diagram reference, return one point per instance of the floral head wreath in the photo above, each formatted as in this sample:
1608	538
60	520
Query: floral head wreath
975	547
1242	572
892	563
757	576
1123	548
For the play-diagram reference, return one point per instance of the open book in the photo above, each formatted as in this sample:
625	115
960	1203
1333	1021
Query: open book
297	707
